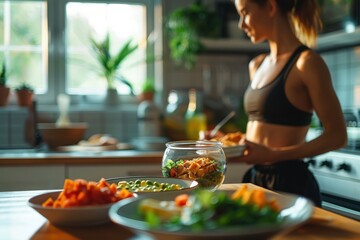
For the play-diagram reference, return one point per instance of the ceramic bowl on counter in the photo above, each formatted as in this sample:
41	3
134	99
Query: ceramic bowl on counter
79	203
77	216
55	136
73	216
202	161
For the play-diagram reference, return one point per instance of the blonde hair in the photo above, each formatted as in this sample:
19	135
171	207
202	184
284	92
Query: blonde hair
304	16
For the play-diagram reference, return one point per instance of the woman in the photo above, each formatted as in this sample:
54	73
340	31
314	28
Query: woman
287	86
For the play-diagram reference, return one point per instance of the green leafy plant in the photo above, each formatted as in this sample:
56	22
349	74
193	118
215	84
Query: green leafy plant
24	86
3	76
148	86
185	27
110	64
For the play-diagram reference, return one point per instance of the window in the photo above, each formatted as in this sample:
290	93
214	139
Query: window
47	43
123	22
23	43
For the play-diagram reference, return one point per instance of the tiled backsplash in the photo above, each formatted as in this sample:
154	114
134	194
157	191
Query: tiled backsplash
344	65
119	123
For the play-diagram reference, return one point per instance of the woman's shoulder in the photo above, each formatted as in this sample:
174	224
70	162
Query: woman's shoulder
312	66
310	59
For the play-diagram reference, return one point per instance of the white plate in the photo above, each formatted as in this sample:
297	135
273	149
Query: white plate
88	148
234	151
187	185
295	210
73	216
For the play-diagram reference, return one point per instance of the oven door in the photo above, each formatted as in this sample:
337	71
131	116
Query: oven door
346	207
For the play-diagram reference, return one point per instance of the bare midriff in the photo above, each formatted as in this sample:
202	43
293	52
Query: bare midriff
275	136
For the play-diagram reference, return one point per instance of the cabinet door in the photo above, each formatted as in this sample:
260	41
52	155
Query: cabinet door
95	172
31	177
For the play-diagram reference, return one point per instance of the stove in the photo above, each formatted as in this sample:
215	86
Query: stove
338	175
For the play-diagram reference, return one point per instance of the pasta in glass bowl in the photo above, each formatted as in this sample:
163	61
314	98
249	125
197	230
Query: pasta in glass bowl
202	161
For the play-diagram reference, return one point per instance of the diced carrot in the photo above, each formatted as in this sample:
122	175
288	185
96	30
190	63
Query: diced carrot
258	198
181	200
79	192
239	192
113	188
83	198
274	205
48	203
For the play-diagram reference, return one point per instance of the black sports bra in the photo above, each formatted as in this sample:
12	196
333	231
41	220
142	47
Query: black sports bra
269	104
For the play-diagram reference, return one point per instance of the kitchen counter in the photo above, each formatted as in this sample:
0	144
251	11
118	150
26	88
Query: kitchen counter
34	157
30	169
39	157
19	221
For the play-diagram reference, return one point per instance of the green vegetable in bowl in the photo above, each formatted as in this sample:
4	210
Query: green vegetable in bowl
147	186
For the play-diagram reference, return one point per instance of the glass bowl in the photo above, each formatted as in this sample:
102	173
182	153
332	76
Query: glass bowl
203	161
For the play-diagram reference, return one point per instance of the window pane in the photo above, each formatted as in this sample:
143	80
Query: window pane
1	23
25	19
23	43
25	68
94	20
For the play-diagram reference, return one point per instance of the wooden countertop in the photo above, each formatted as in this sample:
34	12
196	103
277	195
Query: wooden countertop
19	221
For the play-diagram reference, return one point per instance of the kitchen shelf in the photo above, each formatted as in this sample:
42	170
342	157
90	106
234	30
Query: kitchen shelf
327	41
233	44
339	39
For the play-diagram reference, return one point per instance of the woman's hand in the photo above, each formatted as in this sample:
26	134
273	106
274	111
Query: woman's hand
256	154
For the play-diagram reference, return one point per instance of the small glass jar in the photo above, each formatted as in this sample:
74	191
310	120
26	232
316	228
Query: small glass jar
203	161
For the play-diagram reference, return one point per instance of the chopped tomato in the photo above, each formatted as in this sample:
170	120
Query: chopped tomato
181	200
173	172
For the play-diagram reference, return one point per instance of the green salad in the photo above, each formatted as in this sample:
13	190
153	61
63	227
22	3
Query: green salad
206	210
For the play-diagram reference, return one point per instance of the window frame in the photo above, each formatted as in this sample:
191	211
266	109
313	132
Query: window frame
56	16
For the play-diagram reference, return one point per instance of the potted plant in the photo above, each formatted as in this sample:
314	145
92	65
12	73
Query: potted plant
185	27
24	93
147	91
110	64
4	89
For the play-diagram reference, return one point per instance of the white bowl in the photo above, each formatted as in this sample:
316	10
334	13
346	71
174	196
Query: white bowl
234	151
72	216
295	210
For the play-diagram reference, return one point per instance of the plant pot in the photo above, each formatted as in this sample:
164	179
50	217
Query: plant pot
4	95
24	97
112	98
146	96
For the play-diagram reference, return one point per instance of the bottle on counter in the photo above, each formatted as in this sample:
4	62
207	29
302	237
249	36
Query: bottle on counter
195	117
174	118
149	119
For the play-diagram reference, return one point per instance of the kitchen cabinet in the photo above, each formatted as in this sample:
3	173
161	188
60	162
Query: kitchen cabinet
31	177
52	172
